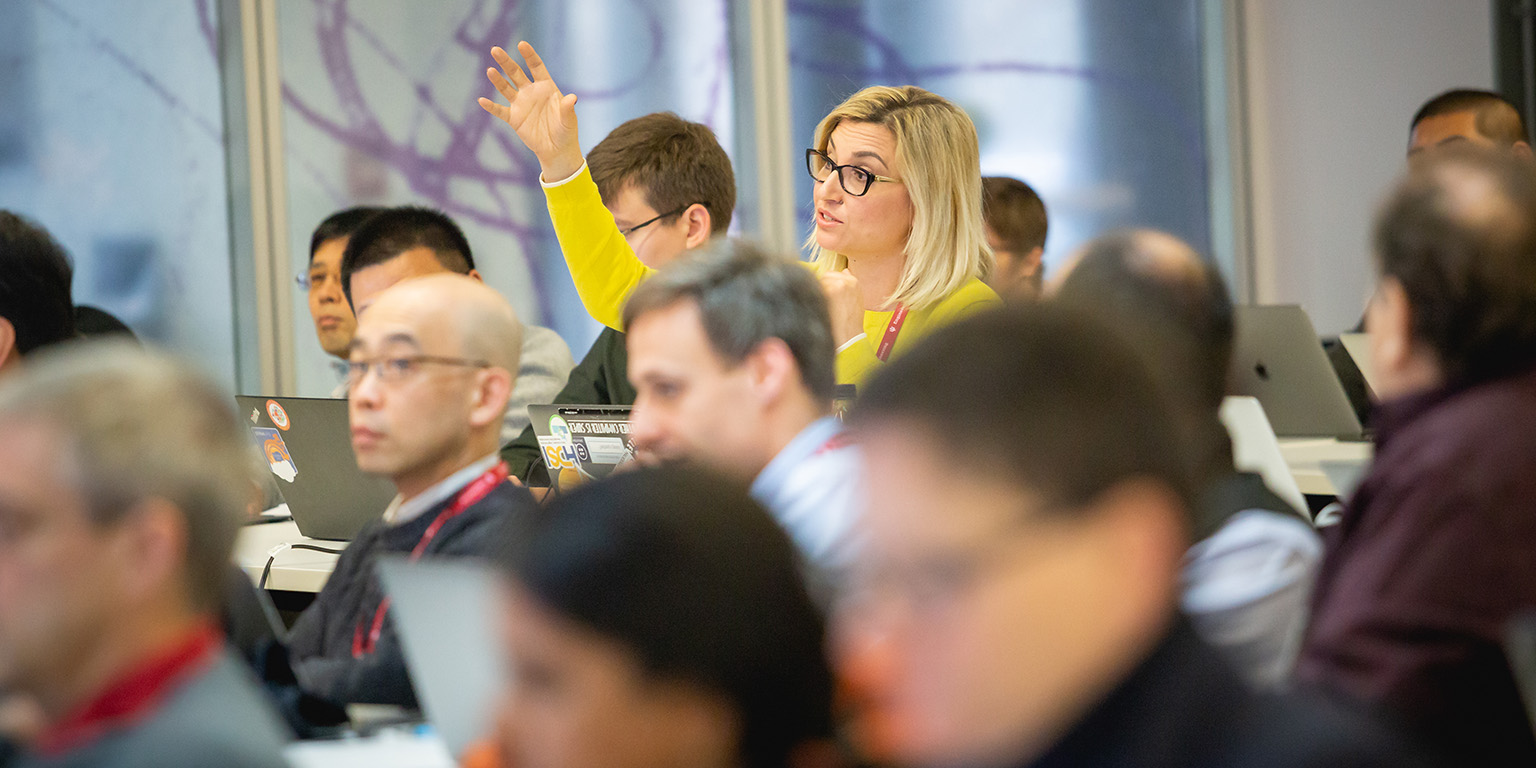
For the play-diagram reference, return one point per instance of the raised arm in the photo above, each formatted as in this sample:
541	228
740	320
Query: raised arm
603	266
539	113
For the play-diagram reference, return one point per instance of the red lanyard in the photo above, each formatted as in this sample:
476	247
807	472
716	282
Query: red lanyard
474	493
892	330
135	695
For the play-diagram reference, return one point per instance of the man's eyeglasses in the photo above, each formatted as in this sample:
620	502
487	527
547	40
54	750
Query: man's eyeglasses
855	180
394	369
653	220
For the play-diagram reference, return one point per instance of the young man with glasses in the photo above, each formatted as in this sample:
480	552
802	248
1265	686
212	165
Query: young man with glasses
669	188
1014	600
408	242
430	370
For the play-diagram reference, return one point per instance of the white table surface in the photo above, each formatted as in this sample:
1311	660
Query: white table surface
296	570
1306	455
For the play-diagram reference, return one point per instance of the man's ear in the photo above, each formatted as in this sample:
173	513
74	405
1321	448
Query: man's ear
153	547
1033	260
700	225
492	391
7	340
1389	322
773	369
1521	150
475	273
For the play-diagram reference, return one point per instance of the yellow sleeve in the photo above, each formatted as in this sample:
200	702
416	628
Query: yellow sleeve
602	265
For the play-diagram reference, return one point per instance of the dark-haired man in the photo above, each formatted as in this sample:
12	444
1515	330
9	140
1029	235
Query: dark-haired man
1433	553
35	275
669	187
1481	118
406	242
328	307
1016	224
1014	599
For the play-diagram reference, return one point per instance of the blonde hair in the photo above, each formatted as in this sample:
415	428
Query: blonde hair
940	164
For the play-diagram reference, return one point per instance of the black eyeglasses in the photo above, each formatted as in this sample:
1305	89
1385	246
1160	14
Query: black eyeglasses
394	369
855	180
648	222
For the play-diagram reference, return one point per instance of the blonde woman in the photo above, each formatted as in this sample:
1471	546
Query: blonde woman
898	238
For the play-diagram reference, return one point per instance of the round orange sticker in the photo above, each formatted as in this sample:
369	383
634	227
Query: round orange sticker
278	415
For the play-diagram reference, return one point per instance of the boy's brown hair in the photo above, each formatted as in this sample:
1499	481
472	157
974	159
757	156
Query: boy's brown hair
673	161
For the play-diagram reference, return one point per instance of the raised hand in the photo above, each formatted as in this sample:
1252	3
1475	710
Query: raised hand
542	116
845	303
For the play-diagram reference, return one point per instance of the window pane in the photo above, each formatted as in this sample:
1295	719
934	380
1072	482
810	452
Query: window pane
1095	103
112	137
379	108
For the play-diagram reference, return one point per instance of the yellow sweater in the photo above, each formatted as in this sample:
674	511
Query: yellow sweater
606	271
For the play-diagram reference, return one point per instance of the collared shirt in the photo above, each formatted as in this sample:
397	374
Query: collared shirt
401	511
812	488
1246	589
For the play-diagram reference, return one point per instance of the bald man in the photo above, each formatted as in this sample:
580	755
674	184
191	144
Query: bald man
430	372
1247	578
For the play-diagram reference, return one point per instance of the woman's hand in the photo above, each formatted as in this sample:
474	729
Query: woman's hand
542	116
845	303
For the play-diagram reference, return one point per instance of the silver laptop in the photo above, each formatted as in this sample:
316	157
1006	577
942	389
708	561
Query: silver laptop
307	443
447	614
587	440
1278	359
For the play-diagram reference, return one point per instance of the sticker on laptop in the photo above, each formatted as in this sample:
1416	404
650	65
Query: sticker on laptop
270	441
558	429
278	415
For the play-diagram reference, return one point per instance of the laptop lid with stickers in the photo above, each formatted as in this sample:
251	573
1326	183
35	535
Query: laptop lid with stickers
307	444
581	442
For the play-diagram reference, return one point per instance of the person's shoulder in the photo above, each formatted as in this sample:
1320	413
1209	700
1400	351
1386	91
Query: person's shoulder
972	296
544	351
220	717
1307	730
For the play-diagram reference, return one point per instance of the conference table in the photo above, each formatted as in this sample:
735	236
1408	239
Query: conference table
1316	463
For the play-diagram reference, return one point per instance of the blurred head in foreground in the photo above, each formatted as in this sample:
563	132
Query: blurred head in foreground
658	620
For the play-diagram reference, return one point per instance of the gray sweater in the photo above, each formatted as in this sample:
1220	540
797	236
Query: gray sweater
219	718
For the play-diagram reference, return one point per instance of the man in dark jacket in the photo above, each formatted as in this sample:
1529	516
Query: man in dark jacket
431	370
670	188
1436	550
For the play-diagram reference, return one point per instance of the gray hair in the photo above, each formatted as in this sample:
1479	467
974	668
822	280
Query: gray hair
140	425
745	297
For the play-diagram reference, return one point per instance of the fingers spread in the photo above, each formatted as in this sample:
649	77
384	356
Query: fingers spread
502	86
497	111
509	66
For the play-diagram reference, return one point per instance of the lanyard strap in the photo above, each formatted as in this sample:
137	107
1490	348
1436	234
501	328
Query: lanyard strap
892	330
472	494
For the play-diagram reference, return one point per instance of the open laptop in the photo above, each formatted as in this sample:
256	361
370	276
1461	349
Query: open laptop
307	443
1278	359
581	442
1358	345
446	613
